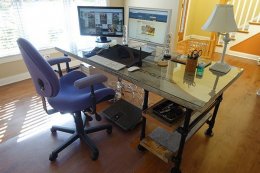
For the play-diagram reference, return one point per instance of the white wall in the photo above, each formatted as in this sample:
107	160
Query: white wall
174	5
115	3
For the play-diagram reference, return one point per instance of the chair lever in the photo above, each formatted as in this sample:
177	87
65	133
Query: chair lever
48	111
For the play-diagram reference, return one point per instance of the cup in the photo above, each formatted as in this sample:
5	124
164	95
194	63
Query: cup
191	65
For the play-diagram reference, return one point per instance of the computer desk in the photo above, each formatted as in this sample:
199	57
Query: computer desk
199	95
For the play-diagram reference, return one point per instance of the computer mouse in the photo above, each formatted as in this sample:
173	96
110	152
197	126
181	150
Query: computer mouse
133	68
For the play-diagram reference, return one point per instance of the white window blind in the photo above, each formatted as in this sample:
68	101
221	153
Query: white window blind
45	23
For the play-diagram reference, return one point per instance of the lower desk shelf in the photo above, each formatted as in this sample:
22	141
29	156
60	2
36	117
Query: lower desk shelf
157	149
164	140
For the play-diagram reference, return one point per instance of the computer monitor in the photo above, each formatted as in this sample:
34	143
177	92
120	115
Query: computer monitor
149	25
101	21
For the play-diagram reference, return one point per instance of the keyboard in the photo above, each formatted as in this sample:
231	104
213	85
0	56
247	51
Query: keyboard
107	62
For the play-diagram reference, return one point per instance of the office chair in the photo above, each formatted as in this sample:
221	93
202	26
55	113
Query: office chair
73	93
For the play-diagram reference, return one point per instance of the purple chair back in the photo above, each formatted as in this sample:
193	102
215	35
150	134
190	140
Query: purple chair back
44	78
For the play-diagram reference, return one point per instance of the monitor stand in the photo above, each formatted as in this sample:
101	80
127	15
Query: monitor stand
102	39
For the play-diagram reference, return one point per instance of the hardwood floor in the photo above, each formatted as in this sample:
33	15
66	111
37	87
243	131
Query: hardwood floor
235	146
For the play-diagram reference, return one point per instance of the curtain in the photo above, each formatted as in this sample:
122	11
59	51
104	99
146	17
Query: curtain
45	23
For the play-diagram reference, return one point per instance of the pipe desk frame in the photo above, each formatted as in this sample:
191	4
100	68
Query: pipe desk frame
141	78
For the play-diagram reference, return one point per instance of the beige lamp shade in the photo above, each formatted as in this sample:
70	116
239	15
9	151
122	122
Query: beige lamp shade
221	20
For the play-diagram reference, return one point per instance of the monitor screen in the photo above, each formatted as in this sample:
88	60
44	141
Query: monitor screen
101	21
148	25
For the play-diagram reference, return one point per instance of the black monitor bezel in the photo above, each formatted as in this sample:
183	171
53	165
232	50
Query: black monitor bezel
98	7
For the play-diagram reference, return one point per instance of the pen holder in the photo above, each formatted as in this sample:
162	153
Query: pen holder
191	65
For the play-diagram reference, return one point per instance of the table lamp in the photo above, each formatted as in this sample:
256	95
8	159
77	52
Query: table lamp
221	21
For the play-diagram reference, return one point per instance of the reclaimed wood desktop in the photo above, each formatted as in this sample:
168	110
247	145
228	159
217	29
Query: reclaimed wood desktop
199	95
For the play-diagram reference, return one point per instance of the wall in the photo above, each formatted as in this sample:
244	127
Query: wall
16	66
174	5
199	11
116	3
11	71
14	71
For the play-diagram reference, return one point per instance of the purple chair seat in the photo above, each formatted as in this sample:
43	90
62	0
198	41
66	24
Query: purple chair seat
71	99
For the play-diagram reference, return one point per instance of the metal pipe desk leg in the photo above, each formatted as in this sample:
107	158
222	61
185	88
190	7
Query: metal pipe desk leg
145	106
211	122
184	132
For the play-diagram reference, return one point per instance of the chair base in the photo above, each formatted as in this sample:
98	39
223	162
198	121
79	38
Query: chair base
79	133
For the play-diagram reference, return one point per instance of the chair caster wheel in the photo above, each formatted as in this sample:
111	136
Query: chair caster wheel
109	131
53	156
53	130
94	155
141	148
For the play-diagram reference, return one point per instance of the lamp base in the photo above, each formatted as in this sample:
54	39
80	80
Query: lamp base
220	67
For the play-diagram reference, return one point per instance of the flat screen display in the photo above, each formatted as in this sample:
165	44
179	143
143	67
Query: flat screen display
101	21
148	25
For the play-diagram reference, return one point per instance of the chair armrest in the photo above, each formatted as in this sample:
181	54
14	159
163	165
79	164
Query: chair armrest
90	80
59	60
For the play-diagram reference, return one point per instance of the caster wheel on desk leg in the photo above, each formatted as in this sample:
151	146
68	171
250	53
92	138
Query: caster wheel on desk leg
94	155
209	133
109	131
175	170
53	156
141	148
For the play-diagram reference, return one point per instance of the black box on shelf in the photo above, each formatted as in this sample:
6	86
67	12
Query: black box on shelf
169	111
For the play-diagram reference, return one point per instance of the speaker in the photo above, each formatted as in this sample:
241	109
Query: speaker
167	47
125	36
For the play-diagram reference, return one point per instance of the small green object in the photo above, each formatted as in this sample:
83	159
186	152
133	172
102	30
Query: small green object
200	69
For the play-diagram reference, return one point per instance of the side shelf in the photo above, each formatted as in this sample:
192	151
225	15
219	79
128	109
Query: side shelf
150	116
164	140
157	149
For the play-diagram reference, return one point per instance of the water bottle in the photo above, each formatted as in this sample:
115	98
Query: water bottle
200	69
125	39
118	90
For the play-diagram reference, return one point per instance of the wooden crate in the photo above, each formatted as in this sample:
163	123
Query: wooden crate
187	46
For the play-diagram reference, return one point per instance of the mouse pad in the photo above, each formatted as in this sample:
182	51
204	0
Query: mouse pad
124	55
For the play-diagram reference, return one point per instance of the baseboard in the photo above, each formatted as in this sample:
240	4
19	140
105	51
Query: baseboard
26	75
196	37
238	54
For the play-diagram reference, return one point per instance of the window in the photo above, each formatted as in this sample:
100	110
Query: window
44	22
